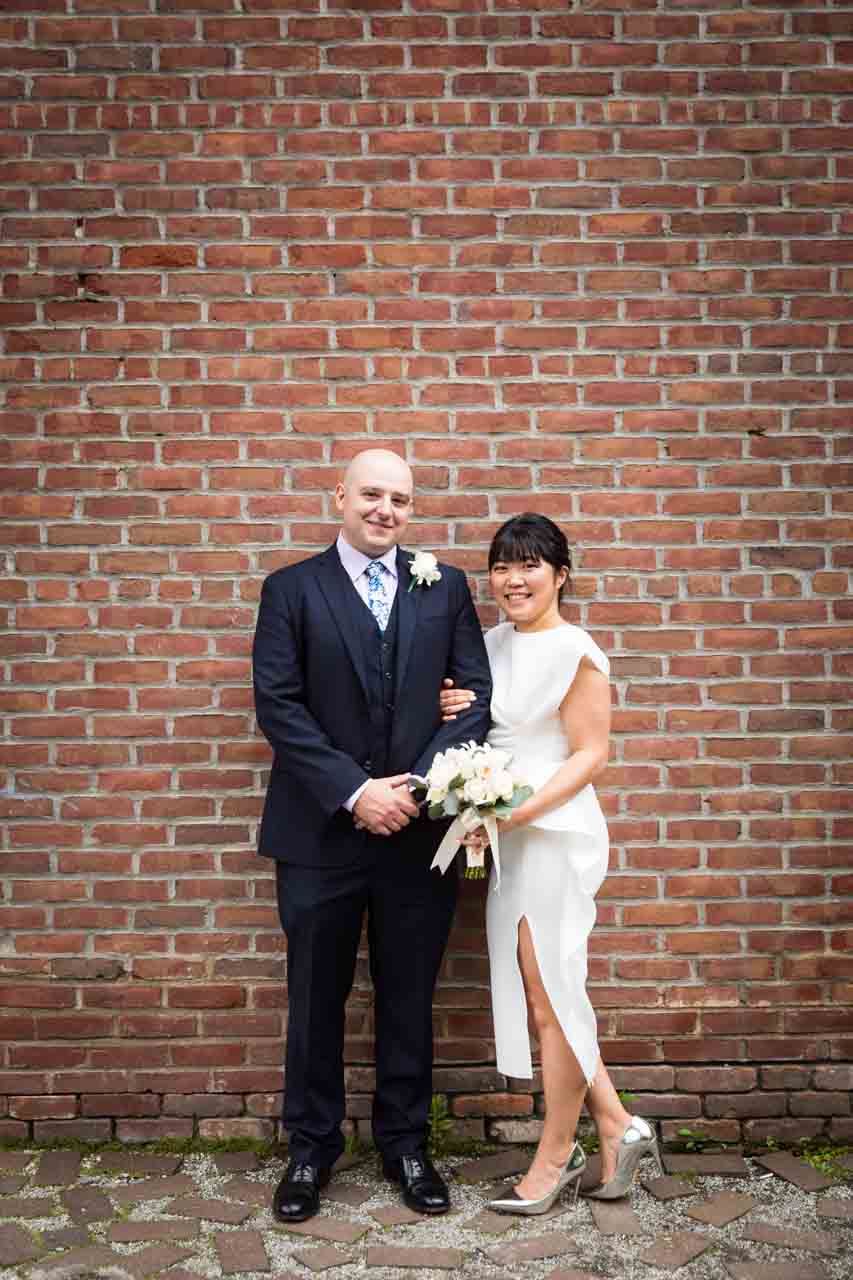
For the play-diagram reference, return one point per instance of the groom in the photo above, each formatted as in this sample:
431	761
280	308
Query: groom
349	655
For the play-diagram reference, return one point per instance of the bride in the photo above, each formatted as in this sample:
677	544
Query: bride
551	709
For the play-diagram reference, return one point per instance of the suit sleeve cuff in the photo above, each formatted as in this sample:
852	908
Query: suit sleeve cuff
350	803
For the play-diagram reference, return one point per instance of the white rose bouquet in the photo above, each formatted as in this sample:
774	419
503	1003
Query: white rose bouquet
475	786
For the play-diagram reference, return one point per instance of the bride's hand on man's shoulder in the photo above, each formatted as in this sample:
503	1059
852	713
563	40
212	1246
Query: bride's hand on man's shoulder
453	701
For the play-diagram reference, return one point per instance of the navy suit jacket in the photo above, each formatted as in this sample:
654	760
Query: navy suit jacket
311	700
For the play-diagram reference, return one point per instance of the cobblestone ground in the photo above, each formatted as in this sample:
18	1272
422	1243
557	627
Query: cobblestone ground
127	1216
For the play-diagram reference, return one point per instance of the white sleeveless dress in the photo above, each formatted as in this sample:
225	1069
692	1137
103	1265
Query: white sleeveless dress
551	868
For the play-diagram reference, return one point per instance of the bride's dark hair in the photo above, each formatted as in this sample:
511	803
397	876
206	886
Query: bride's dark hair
531	536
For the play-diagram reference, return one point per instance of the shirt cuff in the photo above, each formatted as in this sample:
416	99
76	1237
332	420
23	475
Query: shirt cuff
350	804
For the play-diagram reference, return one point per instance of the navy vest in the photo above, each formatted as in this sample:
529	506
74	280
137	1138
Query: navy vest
380	661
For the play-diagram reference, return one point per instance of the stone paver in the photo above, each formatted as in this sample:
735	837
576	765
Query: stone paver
258	1194
15	1161
490	1223
721	1164
722	1208
392	1255
156	1229
133	1212
87	1204
236	1161
808	1241
138	1164
57	1169
775	1271
668	1188
616	1218
332	1230
497	1166
66	1238
551	1245
209	1210
16	1245
152	1189
27	1207
348	1194
395	1215
87	1259
349	1160
241	1251
154	1258
323	1258
681	1247
801	1174
832	1207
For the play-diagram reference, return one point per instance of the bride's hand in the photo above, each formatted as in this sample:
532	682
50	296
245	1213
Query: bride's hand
452	701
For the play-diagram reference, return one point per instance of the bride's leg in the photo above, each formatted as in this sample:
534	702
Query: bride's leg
563	1081
609	1117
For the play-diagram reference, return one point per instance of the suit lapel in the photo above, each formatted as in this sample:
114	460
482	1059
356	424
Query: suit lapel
342	599
408	606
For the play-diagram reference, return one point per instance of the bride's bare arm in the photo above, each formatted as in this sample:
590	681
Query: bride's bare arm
585	715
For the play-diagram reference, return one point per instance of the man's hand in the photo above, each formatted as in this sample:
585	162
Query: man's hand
385	805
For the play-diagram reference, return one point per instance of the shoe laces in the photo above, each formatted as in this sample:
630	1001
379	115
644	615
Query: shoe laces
417	1166
302	1173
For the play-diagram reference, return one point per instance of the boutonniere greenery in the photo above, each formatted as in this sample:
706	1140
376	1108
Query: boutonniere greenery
424	569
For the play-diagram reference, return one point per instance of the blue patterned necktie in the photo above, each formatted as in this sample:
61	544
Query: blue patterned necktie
377	600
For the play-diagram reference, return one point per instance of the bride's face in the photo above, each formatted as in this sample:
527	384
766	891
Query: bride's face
528	591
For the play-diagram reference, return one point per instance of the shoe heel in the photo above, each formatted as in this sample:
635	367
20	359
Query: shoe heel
654	1151
573	1192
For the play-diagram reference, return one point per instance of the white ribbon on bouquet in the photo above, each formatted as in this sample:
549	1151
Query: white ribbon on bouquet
467	821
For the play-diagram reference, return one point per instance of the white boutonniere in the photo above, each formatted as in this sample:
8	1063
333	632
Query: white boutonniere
424	569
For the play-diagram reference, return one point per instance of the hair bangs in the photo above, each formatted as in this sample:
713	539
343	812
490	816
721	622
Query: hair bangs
516	544
530	536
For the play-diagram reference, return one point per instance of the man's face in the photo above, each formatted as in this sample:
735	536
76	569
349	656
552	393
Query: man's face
375	503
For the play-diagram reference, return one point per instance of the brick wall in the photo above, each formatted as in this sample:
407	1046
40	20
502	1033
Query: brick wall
592	258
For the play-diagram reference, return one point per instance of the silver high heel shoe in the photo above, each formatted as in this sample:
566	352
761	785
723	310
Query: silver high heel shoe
637	1140
570	1177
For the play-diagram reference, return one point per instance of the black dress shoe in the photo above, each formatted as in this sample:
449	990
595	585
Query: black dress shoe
297	1196
424	1189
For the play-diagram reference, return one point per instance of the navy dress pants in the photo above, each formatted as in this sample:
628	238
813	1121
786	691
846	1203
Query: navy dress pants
409	913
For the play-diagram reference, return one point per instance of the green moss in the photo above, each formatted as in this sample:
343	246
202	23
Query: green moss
440	1125
824	1155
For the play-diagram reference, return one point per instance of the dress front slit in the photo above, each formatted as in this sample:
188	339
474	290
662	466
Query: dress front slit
560	955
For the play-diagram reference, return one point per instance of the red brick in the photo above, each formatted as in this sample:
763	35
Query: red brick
184	402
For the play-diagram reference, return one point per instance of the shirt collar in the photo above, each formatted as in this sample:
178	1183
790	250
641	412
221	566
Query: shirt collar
355	562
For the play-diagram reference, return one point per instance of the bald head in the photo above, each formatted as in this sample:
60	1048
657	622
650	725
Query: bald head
375	501
371	462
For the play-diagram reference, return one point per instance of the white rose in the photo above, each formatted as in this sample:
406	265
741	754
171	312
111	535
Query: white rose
478	791
441	774
468	766
503	783
424	569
